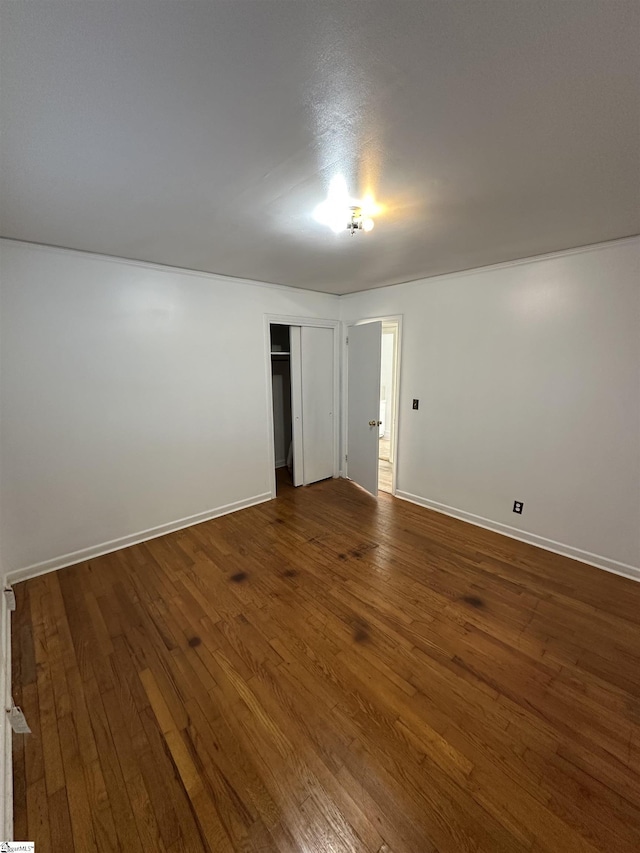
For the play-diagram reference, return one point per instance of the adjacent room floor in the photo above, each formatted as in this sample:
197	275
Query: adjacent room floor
329	672
385	468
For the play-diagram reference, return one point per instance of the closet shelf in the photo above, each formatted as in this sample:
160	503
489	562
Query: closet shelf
277	352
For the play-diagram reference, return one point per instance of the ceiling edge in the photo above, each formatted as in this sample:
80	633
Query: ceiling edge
575	250
134	262
530	259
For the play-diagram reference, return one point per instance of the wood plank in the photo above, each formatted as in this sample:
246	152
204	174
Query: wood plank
329	672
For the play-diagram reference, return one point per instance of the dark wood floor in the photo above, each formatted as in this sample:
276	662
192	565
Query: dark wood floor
327	672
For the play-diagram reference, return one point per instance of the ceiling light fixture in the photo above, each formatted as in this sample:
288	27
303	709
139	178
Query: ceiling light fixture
340	210
358	222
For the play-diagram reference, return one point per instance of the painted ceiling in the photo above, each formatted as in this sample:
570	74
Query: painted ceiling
204	134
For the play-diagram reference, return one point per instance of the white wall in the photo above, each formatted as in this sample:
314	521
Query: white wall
528	377
133	396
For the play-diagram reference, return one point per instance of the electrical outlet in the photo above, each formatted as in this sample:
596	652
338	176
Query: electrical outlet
517	506
415	404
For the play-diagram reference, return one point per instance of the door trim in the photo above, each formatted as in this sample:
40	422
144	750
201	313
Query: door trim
314	322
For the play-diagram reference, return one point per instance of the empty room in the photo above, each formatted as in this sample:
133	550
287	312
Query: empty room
320	426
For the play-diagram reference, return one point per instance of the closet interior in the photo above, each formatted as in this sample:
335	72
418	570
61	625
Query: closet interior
281	390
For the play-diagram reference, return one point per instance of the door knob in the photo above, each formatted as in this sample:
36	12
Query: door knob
375	423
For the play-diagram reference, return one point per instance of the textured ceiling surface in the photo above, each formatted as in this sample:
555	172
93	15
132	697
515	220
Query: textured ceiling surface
204	134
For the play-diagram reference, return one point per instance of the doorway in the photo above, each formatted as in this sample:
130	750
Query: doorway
388	382
303	438
371	401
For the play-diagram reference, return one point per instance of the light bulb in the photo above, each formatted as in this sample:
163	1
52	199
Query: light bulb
337	221
367	224
331	215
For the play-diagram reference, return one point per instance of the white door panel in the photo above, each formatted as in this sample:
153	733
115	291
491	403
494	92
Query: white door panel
363	404
317	403
296	403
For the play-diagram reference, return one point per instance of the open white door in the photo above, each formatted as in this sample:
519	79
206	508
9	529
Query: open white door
363	405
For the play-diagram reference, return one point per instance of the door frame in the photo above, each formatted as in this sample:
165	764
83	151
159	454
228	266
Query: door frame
314	322
388	318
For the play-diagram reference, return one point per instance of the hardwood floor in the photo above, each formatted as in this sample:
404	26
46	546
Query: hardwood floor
385	468
385	476
327	672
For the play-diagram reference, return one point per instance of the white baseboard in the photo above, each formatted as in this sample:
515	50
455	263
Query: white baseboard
94	551
596	560
6	757
281	463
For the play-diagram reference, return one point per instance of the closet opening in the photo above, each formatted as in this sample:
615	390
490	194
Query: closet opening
302	359
281	393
